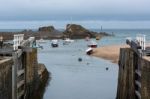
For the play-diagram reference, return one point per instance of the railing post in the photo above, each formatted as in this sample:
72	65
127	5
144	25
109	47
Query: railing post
144	47
17	40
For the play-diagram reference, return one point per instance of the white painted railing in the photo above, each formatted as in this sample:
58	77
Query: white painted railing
1	38
18	38
140	38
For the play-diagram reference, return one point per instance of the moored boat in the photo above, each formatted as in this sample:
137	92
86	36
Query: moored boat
87	38
54	43
67	41
92	44
98	37
89	51
41	41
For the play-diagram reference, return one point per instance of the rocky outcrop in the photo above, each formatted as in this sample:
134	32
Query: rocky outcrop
49	32
78	31
47	29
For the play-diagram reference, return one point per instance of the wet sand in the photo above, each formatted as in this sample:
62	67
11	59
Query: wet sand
109	52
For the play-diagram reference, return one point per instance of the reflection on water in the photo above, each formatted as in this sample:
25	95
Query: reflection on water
72	79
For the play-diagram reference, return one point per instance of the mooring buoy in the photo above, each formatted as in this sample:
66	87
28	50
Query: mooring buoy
79	59
107	68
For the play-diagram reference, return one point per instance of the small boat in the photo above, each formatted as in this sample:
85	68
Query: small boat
92	44
67	41
87	38
89	51
41	41
98	37
54	43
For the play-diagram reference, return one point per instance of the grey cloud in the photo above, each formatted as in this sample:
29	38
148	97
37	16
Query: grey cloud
78	9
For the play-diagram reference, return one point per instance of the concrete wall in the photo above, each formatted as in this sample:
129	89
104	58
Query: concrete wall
36	76
128	61
31	71
6	78
31	65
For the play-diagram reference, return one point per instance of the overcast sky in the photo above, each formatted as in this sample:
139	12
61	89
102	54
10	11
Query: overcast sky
77	10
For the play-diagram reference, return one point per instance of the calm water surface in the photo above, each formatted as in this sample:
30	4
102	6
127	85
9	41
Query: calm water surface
72	79
88	79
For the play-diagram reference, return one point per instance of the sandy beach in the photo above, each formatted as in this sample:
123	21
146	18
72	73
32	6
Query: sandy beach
108	52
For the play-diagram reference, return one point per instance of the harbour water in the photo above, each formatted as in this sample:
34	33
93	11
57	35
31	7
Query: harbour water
72	79
87	79
122	34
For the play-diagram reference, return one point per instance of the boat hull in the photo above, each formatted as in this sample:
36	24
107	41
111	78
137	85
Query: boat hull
54	45
89	51
92	46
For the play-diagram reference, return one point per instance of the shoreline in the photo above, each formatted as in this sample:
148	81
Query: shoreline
109	52
73	31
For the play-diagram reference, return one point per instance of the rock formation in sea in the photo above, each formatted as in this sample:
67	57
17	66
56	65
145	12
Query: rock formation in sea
73	31
47	29
77	31
49	32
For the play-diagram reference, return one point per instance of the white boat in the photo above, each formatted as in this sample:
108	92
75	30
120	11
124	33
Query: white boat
92	44
89	51
87	38
41	41
54	43
68	40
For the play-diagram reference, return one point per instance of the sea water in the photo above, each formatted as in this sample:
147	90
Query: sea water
86	79
122	34
73	79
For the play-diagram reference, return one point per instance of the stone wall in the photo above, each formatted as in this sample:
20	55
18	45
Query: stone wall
37	76
6	78
31	71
